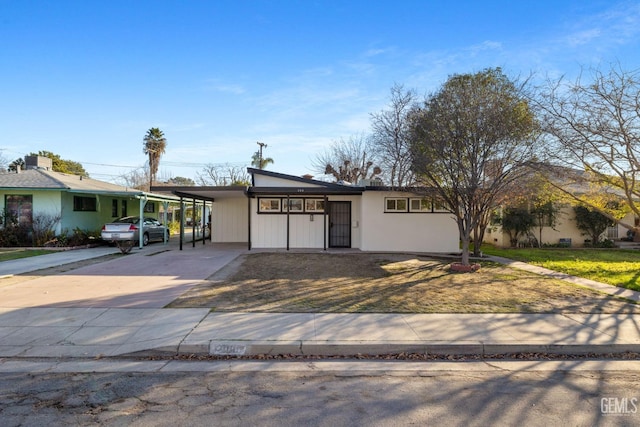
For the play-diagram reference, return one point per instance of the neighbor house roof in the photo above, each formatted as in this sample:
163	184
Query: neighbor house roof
41	179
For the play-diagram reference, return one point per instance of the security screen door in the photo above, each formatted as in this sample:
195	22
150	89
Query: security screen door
339	224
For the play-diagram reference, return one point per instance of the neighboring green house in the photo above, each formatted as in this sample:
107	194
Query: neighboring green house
79	202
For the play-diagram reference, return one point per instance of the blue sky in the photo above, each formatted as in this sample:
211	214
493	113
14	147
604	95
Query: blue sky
86	79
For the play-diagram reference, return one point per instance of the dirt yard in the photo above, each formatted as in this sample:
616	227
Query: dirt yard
386	283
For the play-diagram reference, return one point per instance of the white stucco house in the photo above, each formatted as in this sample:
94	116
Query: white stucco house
287	212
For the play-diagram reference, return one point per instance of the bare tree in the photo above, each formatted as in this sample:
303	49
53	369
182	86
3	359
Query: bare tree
391	137
43	227
348	161
4	162
595	126
223	175
137	178
468	143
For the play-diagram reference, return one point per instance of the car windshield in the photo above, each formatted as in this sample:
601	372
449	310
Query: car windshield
129	220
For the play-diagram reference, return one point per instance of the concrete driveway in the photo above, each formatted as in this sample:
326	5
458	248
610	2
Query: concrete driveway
148	278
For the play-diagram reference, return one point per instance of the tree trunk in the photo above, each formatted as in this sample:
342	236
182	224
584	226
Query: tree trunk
465	237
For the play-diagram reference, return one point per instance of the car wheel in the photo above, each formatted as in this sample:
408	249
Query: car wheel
145	239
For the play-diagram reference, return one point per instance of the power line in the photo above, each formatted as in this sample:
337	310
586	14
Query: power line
169	163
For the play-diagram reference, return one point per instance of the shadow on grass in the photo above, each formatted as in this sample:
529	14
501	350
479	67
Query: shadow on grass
387	283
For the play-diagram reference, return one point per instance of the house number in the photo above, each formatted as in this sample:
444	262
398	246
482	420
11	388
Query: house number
229	349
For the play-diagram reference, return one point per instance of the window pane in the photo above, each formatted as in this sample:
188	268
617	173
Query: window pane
438	206
269	205
295	205
21	207
402	204
314	205
84	203
391	204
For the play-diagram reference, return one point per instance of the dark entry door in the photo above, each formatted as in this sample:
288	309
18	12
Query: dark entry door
339	224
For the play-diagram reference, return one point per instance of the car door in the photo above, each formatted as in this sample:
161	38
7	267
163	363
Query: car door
153	228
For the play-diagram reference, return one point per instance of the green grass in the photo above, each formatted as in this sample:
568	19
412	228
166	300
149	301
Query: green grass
613	266
9	254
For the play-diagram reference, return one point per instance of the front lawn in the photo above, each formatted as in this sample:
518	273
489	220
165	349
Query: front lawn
386	283
613	266
9	254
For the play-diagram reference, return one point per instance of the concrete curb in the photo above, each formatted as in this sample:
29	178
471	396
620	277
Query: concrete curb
352	348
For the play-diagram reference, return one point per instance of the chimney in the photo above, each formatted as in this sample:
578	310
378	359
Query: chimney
38	162
307	176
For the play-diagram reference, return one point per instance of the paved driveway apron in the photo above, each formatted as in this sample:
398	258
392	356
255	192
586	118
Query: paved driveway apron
147	279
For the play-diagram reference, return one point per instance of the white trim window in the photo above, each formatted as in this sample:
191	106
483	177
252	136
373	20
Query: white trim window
419	205
269	205
439	206
395	204
314	205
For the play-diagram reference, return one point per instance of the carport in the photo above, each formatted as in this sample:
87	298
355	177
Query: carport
202	197
142	196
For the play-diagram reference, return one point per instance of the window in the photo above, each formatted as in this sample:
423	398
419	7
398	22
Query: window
295	205
19	207
313	205
124	208
84	204
269	205
438	206
419	205
114	208
395	205
150	207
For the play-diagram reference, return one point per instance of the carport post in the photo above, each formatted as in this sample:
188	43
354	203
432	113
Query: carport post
165	206
193	223
141	223
324	222
204	211
181	220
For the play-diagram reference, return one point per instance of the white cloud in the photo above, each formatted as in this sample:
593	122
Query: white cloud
218	86
377	52
584	37
485	46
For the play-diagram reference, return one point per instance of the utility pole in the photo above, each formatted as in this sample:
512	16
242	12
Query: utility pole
262	145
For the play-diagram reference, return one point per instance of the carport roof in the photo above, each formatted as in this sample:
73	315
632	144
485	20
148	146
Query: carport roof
207	193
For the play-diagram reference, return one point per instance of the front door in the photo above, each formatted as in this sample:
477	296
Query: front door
339	224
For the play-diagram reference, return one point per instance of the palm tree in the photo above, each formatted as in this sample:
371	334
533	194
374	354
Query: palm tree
257	161
154	146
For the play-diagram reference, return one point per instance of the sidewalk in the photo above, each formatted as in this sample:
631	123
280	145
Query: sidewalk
101	332
74	330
